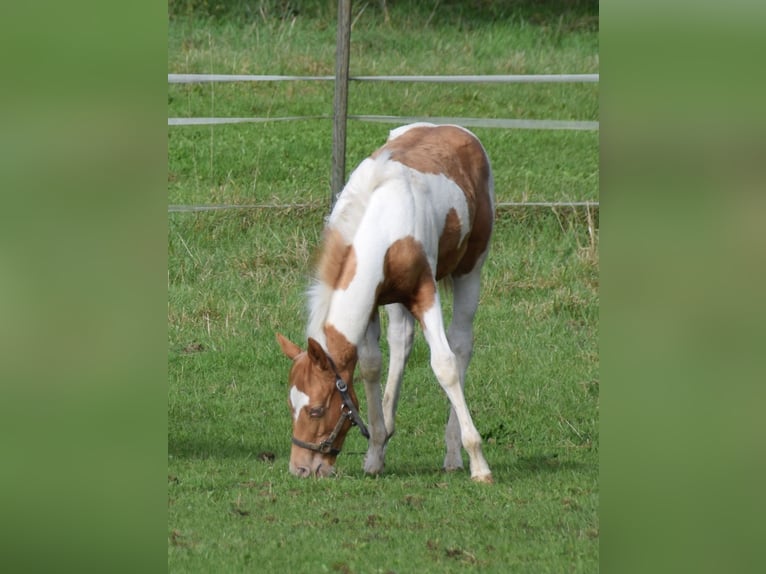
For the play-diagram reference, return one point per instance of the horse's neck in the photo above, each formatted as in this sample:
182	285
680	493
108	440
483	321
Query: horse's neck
346	311
340	316
350	310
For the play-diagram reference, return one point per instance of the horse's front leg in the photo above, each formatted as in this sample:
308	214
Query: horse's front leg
401	332
370	361
447	367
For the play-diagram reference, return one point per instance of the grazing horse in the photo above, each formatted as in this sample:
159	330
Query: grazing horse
418	210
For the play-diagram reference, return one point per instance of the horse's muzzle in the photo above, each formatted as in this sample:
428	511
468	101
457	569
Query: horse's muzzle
316	469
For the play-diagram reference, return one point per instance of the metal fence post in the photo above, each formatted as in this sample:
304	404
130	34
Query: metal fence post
340	104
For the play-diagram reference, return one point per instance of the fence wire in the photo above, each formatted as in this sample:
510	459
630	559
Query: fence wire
467	122
473	79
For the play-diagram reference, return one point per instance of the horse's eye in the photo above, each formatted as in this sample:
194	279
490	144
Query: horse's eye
316	412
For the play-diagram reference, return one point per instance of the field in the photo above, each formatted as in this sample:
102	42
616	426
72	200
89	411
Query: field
237	276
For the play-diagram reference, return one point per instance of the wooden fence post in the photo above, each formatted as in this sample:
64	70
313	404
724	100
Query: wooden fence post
340	104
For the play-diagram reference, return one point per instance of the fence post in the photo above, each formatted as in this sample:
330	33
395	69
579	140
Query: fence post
340	104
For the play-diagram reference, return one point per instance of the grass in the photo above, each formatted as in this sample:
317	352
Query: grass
282	161
237	276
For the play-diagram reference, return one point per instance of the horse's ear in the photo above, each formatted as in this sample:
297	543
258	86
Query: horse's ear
317	354
288	347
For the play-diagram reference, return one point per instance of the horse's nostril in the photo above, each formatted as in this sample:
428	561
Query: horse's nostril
324	470
303	471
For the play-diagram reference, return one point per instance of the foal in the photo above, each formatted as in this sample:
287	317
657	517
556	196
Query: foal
418	210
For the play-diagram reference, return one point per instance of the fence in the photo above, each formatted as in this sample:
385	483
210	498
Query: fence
467	122
340	115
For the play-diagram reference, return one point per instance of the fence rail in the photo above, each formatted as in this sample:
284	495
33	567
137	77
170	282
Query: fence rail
473	79
465	122
342	79
509	123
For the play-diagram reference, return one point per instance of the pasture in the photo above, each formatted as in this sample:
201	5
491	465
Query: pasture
235	277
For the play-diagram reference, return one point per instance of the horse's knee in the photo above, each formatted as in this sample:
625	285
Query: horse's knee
461	345
370	374
445	369
370	367
470	439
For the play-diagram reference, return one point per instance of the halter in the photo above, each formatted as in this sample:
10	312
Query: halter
347	411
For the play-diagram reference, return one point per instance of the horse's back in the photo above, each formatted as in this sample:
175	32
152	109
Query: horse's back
449	168
446	150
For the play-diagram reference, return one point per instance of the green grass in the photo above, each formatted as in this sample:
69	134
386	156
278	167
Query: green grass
291	161
235	277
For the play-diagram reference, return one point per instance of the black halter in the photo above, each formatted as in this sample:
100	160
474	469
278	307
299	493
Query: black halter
348	411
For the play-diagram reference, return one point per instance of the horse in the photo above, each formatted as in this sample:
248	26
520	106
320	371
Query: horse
418	210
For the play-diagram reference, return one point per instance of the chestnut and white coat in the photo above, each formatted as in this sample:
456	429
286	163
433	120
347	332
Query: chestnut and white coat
418	210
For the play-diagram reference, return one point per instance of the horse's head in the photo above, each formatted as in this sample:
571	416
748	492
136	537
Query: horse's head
323	408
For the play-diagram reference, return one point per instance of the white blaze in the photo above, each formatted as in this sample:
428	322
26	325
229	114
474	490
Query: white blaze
298	400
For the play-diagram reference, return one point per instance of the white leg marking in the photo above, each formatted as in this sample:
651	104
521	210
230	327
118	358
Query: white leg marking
298	400
445	365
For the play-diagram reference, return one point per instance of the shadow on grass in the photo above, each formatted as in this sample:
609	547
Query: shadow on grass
503	471
204	448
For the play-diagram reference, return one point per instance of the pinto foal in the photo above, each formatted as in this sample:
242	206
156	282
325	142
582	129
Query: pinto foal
418	210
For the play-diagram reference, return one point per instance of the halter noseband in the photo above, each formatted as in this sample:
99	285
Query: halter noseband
347	411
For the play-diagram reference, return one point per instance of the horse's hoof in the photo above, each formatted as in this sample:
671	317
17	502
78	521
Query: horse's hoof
373	468
483	478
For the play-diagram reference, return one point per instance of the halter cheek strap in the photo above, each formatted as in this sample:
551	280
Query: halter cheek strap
350	411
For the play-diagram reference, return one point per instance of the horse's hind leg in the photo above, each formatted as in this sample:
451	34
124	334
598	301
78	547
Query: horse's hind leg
369	369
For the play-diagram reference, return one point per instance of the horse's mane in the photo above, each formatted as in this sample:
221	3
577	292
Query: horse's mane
348	212
350	207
